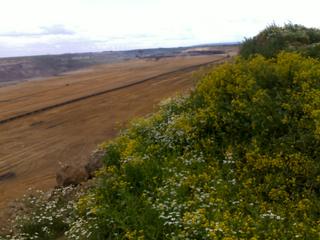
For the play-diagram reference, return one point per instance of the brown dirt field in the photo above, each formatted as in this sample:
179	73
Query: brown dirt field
31	147
25	97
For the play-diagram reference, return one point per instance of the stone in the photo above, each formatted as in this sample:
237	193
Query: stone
95	162
71	175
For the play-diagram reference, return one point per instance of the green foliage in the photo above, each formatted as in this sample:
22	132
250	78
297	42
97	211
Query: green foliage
238	159
291	37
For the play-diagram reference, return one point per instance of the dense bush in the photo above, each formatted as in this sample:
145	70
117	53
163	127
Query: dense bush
238	159
291	37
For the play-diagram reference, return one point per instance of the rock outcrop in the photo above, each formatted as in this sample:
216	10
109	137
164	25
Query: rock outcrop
95	162
71	175
74	175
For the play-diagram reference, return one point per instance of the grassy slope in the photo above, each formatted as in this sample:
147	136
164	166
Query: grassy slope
237	159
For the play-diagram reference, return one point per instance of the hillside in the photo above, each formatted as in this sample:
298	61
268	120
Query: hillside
237	158
60	120
219	164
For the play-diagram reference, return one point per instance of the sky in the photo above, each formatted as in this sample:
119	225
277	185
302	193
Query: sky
36	27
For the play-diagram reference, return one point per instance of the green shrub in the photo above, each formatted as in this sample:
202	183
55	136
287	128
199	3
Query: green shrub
238	159
291	37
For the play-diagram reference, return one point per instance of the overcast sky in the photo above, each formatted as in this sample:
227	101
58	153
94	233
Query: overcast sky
32	27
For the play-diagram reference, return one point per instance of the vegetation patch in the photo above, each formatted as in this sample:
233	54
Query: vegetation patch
238	159
291	37
45	215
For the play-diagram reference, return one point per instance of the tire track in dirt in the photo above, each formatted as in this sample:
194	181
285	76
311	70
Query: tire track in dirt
185	69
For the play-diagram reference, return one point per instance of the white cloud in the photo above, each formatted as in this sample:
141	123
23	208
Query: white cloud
42	31
26	27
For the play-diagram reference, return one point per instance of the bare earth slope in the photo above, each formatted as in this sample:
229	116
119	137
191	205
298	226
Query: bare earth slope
32	146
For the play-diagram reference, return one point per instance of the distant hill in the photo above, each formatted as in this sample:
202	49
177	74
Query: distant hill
21	68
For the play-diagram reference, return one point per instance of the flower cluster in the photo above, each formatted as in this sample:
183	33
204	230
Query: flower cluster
45	215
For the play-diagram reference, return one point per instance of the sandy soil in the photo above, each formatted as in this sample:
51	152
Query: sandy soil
32	147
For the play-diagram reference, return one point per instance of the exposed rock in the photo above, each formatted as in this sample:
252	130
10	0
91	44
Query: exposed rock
74	175
95	162
71	175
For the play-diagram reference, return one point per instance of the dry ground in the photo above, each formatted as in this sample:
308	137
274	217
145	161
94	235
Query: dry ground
31	147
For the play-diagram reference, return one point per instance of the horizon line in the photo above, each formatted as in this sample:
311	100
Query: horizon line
127	50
